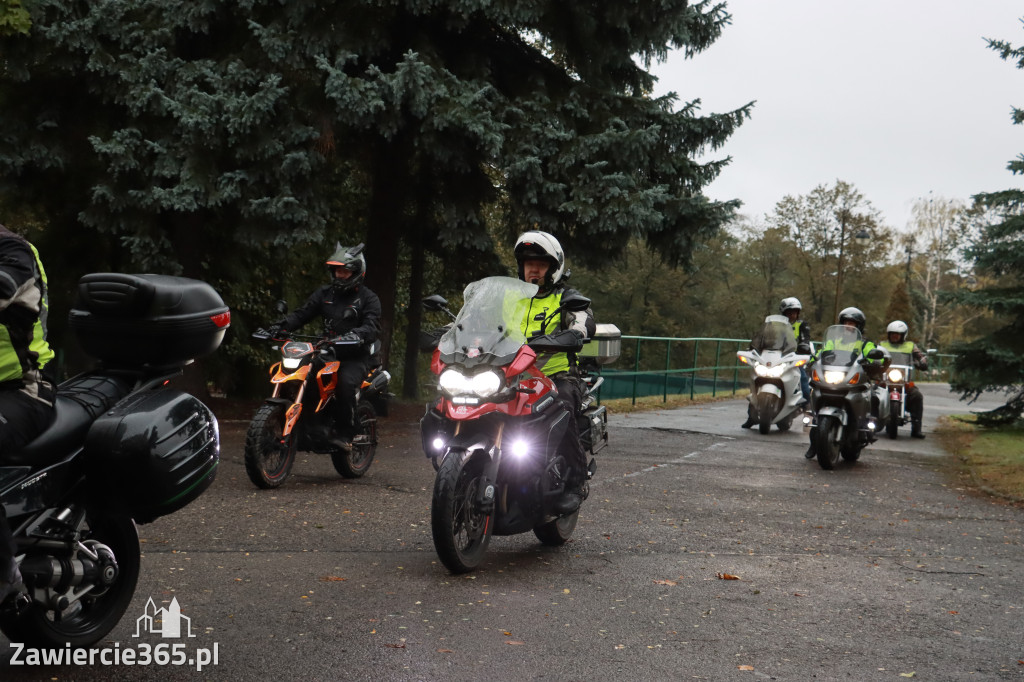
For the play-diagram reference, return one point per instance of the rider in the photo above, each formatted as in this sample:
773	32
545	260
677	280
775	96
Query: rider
790	307
541	261
896	342
26	391
351	312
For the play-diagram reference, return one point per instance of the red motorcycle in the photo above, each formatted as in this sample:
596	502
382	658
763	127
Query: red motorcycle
497	423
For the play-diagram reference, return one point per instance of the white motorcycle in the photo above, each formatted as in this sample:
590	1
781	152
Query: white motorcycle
775	396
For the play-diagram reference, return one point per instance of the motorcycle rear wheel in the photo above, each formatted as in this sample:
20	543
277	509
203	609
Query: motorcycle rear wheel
461	531
269	455
826	441
89	619
356	462
556	533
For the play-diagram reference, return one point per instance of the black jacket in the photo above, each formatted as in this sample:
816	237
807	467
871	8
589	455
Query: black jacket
356	310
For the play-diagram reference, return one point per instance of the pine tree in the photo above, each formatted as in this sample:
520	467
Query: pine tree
996	361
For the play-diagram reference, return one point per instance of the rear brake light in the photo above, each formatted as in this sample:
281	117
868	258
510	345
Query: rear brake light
221	320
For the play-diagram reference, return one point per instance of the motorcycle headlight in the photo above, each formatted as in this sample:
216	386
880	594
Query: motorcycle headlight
895	376
834	377
772	372
291	363
482	385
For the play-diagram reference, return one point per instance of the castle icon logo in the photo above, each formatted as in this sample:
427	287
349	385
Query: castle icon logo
167	622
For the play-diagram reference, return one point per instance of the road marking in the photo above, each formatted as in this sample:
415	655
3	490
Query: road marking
646	470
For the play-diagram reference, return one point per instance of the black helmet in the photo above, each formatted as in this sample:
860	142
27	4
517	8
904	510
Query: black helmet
350	258
854	315
541	246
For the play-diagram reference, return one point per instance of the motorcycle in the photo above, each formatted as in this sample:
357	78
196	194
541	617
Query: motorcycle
898	378
775	395
298	415
123	448
493	431
846	402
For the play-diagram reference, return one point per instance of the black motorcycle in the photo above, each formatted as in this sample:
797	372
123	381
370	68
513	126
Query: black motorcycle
123	448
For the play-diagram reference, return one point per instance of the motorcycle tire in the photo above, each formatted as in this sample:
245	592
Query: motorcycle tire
461	531
787	423
826	441
355	462
92	617
851	453
556	533
767	408
892	427
269	455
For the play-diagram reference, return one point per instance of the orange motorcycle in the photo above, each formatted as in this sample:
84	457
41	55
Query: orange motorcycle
299	413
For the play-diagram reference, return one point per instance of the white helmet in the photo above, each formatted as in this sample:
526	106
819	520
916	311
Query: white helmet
541	246
897	327
791	303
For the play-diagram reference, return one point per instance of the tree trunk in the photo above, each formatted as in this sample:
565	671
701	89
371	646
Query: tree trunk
410	386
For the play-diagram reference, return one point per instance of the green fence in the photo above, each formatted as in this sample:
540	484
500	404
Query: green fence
694	366
675	366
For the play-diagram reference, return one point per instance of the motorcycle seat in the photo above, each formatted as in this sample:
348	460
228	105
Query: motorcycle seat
80	401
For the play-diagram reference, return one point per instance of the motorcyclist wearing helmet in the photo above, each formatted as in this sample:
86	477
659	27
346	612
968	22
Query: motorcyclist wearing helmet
350	311
896	342
791	309
854	319
541	261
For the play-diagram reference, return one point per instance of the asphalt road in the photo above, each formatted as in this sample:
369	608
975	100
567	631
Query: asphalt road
704	552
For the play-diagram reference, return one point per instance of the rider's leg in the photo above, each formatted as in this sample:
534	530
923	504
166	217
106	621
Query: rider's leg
571	395
915	405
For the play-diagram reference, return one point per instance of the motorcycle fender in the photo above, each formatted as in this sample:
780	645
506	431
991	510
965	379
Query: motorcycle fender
832	411
770	388
327	380
291	418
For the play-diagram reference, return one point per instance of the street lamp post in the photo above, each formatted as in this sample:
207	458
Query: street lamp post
862	237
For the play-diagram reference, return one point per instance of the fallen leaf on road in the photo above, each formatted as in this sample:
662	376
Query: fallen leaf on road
445	651
332	578
745	667
514	642
664	582
396	646
726	576
908	674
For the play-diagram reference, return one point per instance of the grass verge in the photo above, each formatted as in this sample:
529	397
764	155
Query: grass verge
655	402
988	459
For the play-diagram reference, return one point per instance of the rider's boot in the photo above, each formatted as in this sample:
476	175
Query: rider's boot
915	429
576	490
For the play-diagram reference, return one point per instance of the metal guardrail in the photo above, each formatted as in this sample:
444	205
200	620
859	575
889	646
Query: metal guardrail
697	365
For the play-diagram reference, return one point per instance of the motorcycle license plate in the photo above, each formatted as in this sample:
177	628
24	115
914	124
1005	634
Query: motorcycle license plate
895	395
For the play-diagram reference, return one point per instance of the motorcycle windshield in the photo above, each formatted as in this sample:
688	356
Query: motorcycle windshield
842	346
489	328
901	359
776	334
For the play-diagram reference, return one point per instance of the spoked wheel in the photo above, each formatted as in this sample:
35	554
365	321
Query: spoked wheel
356	462
269	454
112	542
557	532
767	408
461	531
826	441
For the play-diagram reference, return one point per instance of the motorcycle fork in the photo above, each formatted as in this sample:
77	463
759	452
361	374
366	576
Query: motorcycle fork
291	416
486	493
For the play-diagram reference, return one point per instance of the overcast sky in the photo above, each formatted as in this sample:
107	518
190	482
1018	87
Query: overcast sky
898	97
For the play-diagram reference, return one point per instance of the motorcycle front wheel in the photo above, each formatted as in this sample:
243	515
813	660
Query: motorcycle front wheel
826	441
269	454
557	532
892	427
767	408
356	462
90	618
460	529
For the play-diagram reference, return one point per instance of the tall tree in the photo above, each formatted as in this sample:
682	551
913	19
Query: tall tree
201	137
996	361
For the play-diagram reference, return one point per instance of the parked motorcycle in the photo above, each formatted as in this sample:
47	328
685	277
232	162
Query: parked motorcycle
299	414
847	404
899	377
775	395
123	448
495	428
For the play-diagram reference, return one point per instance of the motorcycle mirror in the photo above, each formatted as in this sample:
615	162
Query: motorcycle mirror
876	354
435	302
281	306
